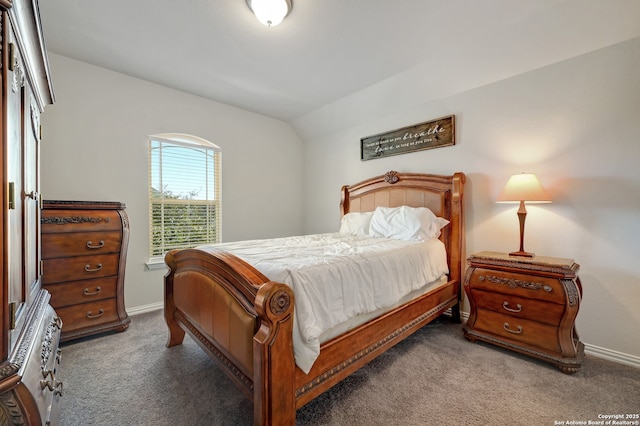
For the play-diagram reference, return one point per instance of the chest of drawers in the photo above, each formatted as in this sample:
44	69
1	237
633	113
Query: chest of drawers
528	305
84	250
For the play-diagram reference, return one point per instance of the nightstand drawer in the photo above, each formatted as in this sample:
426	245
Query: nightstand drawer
528	286
519	307
80	243
521	330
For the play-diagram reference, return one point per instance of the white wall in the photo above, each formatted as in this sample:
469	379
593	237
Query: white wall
576	124
95	148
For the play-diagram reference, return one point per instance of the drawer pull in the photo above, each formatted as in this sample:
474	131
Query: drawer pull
58	390
518	308
86	292
91	246
517	331
87	268
91	315
52	385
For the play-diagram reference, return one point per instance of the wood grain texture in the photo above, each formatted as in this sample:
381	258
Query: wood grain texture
528	305
84	251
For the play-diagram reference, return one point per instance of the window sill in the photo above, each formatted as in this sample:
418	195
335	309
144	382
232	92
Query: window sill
154	264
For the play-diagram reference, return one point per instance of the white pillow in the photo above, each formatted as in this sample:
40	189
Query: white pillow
356	223
406	223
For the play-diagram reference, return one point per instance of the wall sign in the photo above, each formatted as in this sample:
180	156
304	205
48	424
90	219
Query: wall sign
428	135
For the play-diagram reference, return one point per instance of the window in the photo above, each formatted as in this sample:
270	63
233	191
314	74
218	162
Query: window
184	193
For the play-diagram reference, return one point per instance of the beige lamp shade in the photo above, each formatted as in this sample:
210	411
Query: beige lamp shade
523	187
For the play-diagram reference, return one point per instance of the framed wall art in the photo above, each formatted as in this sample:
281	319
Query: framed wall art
428	135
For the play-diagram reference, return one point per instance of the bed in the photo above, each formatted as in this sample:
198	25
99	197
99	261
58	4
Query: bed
245	322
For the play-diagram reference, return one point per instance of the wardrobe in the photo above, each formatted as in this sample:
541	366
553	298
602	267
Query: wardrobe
31	387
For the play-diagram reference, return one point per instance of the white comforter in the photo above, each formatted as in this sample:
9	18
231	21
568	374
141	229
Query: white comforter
336	277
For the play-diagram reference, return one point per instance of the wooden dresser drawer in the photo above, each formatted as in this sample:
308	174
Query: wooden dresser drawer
528	286
79	220
521	330
519	307
79	268
75	292
89	314
80	243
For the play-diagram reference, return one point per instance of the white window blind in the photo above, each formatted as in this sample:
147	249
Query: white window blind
184	193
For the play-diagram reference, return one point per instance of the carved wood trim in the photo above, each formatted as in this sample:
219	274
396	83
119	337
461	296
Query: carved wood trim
572	291
25	20
10	410
215	352
280	303
22	348
18	76
65	220
8	370
365	351
513	283
391	177
124	218
47	347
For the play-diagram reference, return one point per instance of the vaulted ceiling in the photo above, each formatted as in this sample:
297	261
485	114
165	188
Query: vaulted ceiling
328	49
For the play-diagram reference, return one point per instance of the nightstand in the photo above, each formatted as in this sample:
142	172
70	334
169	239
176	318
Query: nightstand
528	305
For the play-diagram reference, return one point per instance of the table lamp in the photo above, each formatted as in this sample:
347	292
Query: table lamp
520	188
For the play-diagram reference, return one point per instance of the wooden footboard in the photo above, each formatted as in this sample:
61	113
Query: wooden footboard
241	319
244	321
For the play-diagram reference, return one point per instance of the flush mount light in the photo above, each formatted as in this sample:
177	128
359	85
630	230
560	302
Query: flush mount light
270	12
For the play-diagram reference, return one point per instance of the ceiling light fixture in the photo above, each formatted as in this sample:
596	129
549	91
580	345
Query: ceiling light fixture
270	12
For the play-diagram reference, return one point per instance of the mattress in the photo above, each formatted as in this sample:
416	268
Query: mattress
342	280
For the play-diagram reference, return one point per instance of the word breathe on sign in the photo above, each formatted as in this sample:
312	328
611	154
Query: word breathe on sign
432	134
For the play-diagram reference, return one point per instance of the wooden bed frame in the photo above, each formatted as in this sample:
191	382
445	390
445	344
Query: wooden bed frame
244	321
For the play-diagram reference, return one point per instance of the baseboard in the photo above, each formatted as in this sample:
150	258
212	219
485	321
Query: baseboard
137	310
612	355
464	316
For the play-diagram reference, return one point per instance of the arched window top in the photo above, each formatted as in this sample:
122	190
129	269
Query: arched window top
186	139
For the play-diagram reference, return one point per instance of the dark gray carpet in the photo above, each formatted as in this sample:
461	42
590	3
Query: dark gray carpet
435	377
